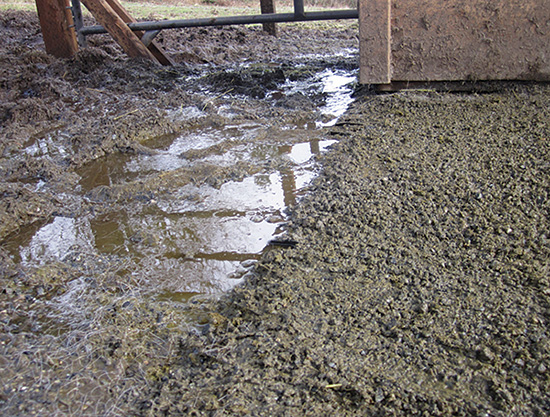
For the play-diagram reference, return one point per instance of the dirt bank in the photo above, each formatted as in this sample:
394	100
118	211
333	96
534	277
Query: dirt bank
418	283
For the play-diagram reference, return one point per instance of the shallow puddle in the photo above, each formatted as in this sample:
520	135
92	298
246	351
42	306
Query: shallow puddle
336	85
225	191
198	238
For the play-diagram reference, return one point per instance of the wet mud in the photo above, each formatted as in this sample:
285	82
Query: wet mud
415	275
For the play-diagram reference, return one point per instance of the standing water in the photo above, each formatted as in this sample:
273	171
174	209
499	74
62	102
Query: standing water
193	213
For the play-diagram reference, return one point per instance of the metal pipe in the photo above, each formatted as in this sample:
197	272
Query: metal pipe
299	8
233	20
78	22
148	37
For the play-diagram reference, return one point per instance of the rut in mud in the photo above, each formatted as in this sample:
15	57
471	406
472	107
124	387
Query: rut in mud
417	281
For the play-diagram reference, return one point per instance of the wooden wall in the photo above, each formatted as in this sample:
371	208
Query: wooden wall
428	40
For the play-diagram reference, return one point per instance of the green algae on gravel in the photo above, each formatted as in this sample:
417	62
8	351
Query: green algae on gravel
420	282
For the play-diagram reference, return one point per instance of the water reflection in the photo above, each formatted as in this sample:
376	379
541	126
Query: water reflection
58	239
197	238
337	86
193	238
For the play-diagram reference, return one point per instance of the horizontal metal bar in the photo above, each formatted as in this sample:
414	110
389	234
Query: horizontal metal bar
232	20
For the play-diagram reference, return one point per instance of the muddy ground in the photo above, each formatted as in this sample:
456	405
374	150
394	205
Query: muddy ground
417	281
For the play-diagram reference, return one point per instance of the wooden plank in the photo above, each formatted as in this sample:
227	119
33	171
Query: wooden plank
56	23
374	41
118	29
155	49
471	40
458	40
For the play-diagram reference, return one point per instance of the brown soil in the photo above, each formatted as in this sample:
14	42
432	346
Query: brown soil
418	284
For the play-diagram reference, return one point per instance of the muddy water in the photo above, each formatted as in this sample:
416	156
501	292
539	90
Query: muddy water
193	235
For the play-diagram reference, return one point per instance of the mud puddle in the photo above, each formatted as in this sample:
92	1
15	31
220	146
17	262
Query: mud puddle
335	83
192	212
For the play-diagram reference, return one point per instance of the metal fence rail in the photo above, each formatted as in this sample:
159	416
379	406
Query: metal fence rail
299	15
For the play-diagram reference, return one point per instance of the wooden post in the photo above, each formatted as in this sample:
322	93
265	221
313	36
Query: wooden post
57	27
121	33
267	7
